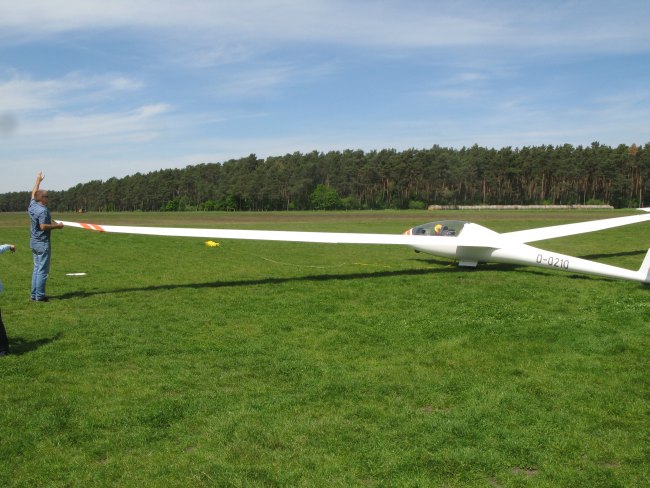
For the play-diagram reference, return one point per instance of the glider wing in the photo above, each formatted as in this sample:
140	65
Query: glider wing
259	235
543	233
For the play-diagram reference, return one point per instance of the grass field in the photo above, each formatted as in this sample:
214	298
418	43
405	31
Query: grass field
287	364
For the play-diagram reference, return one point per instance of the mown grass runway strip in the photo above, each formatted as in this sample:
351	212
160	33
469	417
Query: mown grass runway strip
171	363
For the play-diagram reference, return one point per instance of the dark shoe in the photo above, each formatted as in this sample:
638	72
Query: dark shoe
44	299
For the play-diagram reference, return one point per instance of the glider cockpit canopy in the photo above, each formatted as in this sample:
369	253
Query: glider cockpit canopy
439	228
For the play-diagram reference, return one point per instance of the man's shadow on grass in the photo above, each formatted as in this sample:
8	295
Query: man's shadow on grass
19	346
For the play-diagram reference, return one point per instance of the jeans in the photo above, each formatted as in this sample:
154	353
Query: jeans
41	271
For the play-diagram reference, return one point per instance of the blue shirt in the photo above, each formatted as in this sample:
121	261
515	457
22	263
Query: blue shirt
3	248
39	214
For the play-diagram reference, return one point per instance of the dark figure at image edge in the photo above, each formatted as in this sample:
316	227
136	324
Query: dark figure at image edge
4	341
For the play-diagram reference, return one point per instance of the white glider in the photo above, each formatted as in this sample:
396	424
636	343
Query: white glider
465	242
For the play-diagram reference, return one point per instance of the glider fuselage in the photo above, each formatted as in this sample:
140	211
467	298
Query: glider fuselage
471	244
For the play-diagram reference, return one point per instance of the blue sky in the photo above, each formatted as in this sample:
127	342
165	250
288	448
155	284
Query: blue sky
94	89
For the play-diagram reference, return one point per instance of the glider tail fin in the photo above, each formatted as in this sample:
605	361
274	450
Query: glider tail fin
644	270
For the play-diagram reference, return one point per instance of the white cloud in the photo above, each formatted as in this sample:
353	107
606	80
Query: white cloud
261	81
22	93
44	111
454	93
121	83
391	23
139	125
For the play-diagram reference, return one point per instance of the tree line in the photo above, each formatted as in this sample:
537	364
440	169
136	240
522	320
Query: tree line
354	179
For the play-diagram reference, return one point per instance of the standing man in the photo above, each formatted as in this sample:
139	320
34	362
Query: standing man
39	241
4	342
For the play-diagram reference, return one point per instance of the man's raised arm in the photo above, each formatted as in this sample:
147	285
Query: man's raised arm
37	185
